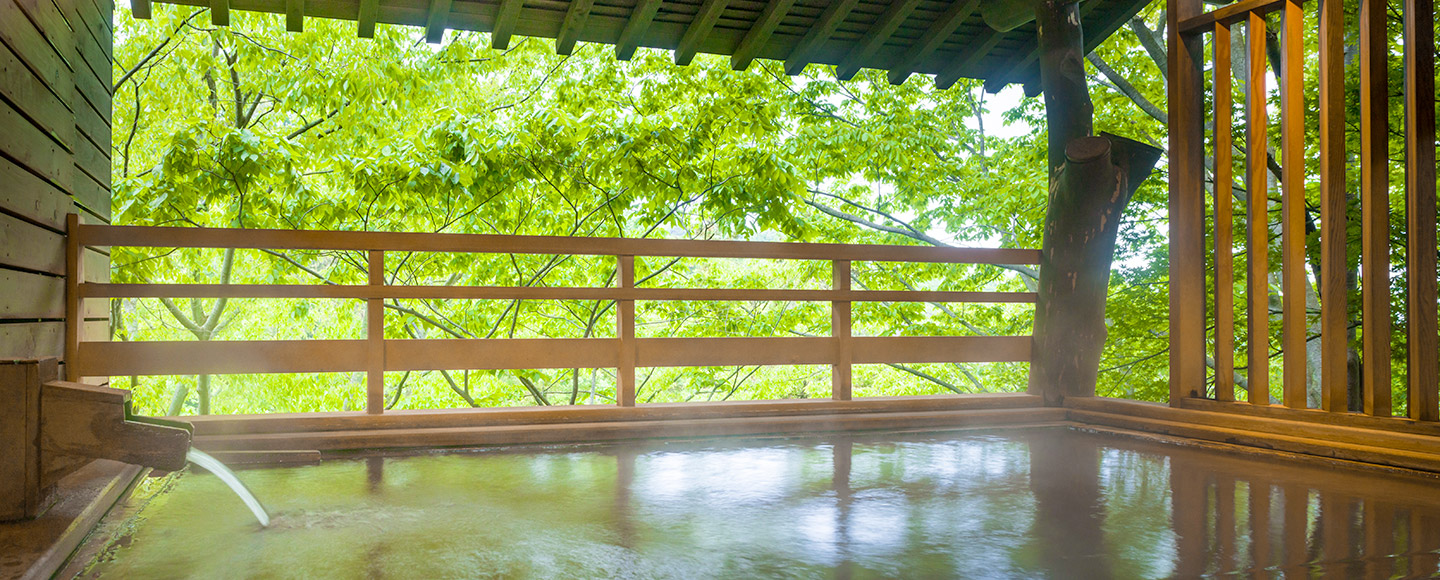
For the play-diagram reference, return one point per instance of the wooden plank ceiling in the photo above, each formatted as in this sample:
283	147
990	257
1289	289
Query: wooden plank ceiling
945	38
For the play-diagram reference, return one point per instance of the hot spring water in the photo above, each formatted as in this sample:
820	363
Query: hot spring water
214	466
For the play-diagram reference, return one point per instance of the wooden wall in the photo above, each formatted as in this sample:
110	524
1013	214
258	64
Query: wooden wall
55	84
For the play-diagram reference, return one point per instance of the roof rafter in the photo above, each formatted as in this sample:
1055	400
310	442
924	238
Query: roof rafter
220	12
885	26
140	9
635	28
365	19
505	19
934	36
295	15
824	26
574	22
697	31
972	54
759	34
435	21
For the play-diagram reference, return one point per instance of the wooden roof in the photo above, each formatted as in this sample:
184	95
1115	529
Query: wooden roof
946	38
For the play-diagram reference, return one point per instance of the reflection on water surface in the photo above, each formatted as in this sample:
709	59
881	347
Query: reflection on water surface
1040	503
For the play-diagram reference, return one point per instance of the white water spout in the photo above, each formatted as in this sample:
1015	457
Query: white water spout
214	466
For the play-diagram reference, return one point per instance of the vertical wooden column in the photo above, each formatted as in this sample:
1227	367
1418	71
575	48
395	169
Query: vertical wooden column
1424	369
840	330
1186	206
74	311
625	331
1224	220
1334	341
375	338
1292	203
1257	238
1375	208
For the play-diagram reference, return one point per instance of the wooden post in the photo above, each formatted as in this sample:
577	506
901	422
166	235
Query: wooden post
1292	204
1334	340
1375	208
375	337
625	331
20	381
840	329
1424	370
1257	238
74	311
1224	220
1186	204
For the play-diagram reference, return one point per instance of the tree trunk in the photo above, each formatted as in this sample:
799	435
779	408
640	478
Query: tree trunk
1091	181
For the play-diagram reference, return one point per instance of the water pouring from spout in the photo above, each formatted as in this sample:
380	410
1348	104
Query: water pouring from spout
214	466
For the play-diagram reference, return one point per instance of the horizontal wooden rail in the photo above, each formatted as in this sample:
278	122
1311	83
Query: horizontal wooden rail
105	290
166	237
336	356
1227	15
375	355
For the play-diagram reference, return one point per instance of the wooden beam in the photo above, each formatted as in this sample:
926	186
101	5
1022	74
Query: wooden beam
168	237
1375	208
573	24
1257	238
1334	299
506	18
1230	14
435	20
1224	219
977	49
635	28
1186	206
699	29
220	12
365	18
871	350
491	354
829	20
375	338
295	15
625	332
1292	204
1420	254
74	303
939	31
102	359
840	369
140	9
884	26
759	33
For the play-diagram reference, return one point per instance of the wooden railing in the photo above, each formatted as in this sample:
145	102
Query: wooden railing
376	355
1189	240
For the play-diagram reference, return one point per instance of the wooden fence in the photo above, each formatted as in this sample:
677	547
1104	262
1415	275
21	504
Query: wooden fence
376	355
1190	241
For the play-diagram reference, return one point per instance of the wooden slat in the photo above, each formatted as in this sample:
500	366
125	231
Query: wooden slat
1420	254
840	328
505	20
1292	204
829	20
625	332
489	354
635	28
375	337
973	52
760	32
874	38
30	95
165	237
30	297
33	339
1375	208
27	195
21	36
699	28
941	349
575	18
1230	14
539	293
1334	300
435	19
295	15
99	359
24	245
938	32
33	148
1186	207
713	352
1224	220
1257	238
365	18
